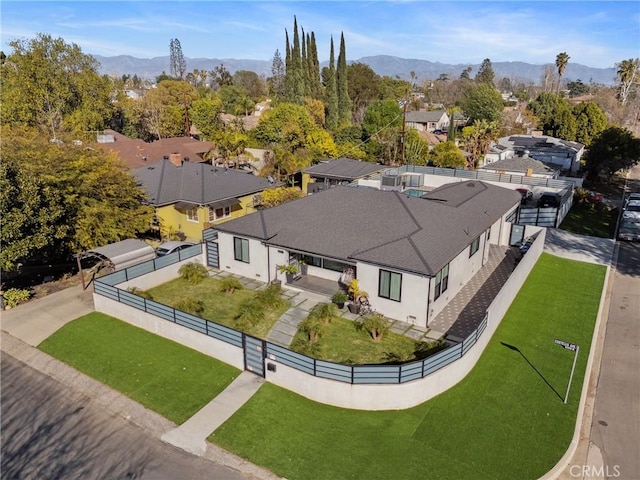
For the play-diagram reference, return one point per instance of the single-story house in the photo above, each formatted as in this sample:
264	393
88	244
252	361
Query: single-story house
193	196
561	154
329	173
136	153
525	166
411	255
427	121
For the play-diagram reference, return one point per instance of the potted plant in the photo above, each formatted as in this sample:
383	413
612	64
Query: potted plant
356	294
303	266
339	298
289	269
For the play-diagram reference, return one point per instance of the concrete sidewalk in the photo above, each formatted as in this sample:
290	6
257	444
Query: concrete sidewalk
34	321
192	435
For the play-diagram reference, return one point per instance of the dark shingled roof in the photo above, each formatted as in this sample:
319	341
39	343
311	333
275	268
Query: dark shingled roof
344	169
520	164
386	228
196	183
422	116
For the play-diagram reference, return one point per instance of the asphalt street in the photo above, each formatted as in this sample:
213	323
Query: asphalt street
615	429
50	432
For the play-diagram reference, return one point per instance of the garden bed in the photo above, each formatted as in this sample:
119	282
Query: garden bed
219	306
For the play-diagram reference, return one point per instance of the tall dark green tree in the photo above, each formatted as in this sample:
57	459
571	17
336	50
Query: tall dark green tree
277	80
314	68
304	65
486	73
297	74
333	108
177	63
344	102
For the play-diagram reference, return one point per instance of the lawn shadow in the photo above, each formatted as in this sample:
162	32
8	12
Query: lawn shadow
516	349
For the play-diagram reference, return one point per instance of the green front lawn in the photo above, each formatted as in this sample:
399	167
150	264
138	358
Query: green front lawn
505	420
162	375
218	306
584	220
342	342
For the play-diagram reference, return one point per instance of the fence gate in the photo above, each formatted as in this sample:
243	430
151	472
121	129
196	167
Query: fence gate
213	259
254	354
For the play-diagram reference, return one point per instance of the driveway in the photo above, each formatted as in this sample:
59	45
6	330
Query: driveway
579	247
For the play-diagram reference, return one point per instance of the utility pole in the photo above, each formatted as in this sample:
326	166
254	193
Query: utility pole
402	135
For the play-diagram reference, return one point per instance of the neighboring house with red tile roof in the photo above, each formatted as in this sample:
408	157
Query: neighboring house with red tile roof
136	153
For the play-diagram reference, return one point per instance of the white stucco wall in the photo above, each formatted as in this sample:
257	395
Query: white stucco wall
197	341
413	305
461	270
258	266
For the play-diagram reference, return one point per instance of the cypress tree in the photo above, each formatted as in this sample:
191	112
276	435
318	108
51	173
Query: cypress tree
296	64
288	76
304	64
315	69
344	102
332	93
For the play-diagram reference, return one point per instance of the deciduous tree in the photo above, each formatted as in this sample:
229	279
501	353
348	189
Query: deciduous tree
612	150
446	154
53	85
58	198
483	102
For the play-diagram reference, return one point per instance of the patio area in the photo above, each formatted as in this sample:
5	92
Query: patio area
316	285
466	310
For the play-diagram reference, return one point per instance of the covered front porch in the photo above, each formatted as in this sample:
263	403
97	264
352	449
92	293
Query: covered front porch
315	284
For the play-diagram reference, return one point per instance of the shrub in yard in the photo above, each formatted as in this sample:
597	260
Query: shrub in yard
375	324
230	284
140	292
15	296
307	347
191	305
193	272
314	327
250	313
324	312
271	296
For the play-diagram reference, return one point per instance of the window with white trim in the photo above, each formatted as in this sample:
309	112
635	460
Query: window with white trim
442	282
219	213
390	285
192	215
475	246
241	249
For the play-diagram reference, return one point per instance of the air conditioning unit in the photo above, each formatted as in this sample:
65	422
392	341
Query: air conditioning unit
391	182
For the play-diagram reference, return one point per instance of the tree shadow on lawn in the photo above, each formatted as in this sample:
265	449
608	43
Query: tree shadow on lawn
516	349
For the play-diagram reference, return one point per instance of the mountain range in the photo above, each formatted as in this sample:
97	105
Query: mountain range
383	65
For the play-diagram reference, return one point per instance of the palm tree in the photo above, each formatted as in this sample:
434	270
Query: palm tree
561	62
628	73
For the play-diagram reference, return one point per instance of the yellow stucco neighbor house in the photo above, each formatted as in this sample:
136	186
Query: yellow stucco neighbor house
190	197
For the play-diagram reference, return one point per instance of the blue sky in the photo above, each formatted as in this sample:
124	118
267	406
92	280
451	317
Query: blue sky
593	33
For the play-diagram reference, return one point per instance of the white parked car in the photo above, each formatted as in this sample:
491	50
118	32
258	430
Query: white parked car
632	209
171	247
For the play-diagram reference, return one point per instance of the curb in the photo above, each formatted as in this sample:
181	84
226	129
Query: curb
589	384
119	404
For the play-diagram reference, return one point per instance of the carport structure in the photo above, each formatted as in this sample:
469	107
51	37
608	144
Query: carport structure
116	256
